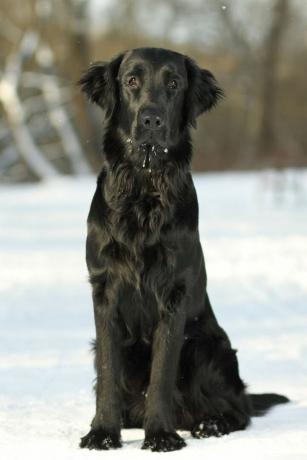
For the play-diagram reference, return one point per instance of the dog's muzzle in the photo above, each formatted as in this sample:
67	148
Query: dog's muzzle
151	154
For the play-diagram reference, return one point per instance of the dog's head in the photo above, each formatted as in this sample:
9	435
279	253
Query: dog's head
152	96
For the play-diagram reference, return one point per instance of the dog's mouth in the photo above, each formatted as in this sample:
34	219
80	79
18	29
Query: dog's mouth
151	152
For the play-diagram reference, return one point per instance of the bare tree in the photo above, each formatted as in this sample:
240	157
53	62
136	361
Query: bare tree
36	119
14	109
271	59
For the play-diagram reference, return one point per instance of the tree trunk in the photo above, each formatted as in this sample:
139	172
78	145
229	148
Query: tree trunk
268	139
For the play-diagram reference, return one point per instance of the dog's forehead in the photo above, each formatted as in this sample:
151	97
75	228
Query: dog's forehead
154	58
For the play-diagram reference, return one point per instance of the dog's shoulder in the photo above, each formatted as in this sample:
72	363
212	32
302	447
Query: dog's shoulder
186	210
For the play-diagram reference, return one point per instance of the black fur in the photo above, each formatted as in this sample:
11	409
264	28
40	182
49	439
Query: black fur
162	360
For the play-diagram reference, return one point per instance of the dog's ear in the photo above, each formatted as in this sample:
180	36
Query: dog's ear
203	93
99	83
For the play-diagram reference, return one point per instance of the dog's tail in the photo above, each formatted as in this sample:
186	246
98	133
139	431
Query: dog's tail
261	403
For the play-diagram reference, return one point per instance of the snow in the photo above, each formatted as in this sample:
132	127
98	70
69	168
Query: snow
253	228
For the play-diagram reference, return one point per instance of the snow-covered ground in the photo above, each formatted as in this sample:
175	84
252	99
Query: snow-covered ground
255	243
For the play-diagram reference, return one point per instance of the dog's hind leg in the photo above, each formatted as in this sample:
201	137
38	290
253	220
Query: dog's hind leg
215	402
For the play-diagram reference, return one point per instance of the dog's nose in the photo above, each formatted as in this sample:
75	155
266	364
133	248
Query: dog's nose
151	118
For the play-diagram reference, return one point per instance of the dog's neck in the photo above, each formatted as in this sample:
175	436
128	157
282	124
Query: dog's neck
150	200
126	183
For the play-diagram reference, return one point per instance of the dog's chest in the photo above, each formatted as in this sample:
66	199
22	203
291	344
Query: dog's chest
141	266
137	250
139	222
147	274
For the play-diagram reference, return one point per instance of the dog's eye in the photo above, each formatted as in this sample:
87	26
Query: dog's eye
133	82
173	84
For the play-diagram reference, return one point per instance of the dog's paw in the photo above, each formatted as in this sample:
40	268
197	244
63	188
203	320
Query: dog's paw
101	440
163	441
211	426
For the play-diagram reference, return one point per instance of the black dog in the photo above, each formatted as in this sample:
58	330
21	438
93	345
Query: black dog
162	360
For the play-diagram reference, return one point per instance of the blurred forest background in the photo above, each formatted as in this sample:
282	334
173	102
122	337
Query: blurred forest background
257	49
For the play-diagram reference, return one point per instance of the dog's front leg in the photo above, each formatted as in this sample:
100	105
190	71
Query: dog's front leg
160	434
105	427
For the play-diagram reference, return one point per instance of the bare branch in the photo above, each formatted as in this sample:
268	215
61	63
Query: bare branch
60	120
15	111
23	139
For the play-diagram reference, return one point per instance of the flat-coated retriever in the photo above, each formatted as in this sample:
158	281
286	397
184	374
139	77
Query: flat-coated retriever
162	360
